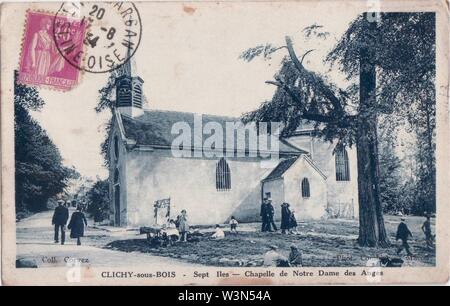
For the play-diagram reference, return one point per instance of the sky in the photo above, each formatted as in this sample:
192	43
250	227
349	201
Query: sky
189	61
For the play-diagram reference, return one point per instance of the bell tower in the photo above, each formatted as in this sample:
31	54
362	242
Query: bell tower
129	96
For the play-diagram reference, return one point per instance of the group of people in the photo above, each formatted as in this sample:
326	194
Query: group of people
288	220
273	258
219	232
76	224
403	234
179	229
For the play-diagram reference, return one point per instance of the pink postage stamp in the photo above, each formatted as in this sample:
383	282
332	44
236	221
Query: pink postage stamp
41	62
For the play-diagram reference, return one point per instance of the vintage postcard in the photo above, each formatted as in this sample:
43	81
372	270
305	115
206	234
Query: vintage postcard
225	142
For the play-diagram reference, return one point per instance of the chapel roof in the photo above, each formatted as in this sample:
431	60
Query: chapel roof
286	164
153	128
280	169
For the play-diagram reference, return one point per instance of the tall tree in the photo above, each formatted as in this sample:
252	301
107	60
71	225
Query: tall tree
423	122
106	103
384	60
98	198
39	172
391	176
401	57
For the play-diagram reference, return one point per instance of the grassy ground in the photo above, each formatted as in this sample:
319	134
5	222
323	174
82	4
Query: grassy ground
323	243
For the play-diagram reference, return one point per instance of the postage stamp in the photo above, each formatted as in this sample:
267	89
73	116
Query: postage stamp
41	63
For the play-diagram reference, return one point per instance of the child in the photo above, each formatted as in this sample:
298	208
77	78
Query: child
183	225
218	234
233	225
172	231
293	223
172	224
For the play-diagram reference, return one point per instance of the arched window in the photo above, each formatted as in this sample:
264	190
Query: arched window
223	178
116	147
342	165
123	95
306	193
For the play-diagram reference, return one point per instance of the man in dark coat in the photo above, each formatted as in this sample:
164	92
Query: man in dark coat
270	214
263	215
403	234
59	220
76	225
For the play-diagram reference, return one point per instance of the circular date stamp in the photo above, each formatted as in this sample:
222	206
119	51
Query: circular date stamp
113	34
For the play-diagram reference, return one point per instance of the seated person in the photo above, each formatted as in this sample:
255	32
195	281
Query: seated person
171	230
295	257
293	224
274	259
219	233
171	224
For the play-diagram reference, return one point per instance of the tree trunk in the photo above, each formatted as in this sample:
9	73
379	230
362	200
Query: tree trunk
372	232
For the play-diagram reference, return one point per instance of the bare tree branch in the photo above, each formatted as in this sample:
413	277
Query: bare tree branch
304	55
320	84
344	122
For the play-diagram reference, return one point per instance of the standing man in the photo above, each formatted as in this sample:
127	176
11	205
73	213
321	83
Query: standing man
270	214
59	220
403	234
263	214
426	228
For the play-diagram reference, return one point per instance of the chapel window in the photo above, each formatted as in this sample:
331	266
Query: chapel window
342	165
223	177
306	193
